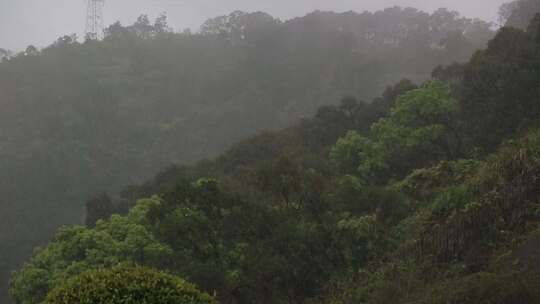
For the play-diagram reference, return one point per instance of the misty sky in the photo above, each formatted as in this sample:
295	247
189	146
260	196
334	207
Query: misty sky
39	22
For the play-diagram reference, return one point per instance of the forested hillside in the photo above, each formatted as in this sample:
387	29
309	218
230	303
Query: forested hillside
427	194
81	118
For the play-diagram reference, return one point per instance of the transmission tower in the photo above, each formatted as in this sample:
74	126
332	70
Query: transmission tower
94	19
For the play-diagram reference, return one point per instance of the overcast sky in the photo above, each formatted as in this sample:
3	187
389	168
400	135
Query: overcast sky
39	22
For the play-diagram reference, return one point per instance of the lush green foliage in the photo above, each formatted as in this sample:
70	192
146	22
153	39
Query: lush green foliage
77	249
126	285
80	118
500	87
420	129
471	238
413	198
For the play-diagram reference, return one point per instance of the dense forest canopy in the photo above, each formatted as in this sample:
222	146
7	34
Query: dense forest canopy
401	200
79	118
400	162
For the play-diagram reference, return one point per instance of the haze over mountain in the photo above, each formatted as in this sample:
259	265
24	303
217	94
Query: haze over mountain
39	22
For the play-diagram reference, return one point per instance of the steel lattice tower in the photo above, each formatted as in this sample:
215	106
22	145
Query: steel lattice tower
94	19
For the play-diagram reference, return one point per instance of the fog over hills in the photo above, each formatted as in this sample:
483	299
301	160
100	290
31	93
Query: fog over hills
39	22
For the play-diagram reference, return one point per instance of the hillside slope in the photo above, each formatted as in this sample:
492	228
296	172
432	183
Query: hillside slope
82	118
413	198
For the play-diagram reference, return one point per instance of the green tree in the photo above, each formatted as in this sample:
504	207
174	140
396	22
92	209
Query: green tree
77	249
421	129
500	88
355	150
422	119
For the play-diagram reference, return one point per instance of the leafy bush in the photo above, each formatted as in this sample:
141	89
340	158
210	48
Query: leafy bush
127	285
